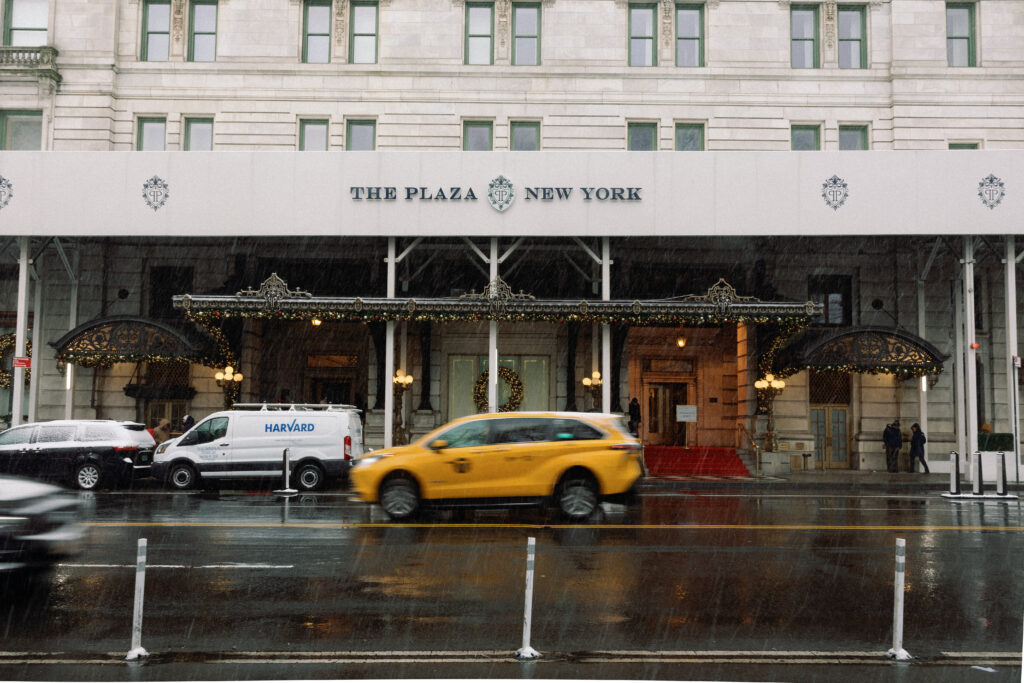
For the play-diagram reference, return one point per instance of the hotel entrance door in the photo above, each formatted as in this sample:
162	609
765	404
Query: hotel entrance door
660	427
831	436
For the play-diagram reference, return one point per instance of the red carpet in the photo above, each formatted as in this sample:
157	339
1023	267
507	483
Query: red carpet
700	460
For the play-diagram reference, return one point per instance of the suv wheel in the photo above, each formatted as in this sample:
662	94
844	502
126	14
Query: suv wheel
87	476
399	497
182	477
577	496
309	477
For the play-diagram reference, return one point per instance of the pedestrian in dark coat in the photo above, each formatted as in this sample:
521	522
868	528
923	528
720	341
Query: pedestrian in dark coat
917	442
634	417
893	440
187	422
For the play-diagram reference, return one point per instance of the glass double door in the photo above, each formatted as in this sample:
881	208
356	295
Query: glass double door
661	427
830	425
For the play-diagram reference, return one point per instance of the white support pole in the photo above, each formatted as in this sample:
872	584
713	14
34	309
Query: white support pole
21	333
403	365
960	374
492	337
389	355
527	652
971	354
606	330
140	587
69	369
897	652
1012	354
37	338
922	386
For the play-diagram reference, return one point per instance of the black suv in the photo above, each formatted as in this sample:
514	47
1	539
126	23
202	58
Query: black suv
88	454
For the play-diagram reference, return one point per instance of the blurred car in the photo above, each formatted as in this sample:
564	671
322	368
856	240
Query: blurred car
39	524
501	459
86	454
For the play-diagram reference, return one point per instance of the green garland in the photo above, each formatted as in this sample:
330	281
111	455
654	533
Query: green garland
515	399
7	342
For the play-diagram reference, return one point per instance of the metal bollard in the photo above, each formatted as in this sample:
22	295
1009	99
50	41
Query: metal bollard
978	482
897	652
140	586
286	467
1001	474
527	652
954	473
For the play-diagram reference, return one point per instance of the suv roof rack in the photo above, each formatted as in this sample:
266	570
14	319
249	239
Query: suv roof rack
294	406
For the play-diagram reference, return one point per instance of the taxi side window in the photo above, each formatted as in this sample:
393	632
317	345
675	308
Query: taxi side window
574	430
475	433
18	435
521	430
212	429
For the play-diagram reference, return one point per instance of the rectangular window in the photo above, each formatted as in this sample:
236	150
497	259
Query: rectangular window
642	23
156	31
361	135
853	51
804	36
476	136
316	31
689	137
479	33
806	138
362	44
198	135
960	49
152	134
963	145
313	135
834	292
21	130
689	35
526	35
641	137
853	137
25	23
202	32
524	136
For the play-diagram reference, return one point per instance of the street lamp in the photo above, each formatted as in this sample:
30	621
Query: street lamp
768	387
593	384
399	433
230	382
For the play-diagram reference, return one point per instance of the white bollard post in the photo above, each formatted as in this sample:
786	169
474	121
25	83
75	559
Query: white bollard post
954	473
897	652
527	652
286	466
1001	474
978	481
140	585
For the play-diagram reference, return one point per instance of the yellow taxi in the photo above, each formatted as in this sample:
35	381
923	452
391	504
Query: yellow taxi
575	459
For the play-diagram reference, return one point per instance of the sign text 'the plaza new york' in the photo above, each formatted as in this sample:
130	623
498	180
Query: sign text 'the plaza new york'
458	193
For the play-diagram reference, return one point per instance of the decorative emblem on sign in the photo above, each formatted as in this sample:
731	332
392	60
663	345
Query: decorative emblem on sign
273	290
6	191
155	191
834	191
990	189
722	295
500	193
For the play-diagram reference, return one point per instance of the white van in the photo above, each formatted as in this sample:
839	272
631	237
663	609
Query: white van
249	442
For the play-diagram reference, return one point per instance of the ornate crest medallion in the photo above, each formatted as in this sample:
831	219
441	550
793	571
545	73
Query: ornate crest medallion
500	193
155	191
6	191
834	191
991	190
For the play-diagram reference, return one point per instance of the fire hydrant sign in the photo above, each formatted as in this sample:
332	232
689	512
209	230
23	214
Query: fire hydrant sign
22	362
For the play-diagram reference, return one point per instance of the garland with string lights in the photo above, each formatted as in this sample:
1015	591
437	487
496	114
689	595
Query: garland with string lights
515	385
7	342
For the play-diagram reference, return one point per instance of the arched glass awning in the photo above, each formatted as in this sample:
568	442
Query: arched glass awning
127	339
871	350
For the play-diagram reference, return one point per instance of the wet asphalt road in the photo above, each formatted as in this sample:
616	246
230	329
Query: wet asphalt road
708	584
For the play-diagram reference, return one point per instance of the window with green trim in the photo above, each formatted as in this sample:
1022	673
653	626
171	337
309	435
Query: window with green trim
360	135
524	136
689	35
804	36
642	43
479	33
25	22
202	31
689	137
526	34
960	42
21	130
156	31
198	135
477	136
362	42
152	134
641	136
316	31
853	137
807	138
853	44
313	135
963	145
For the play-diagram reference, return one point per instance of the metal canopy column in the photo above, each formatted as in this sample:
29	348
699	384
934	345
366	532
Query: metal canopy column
37	337
69	369
922	332
606	330
1012	357
959	370
389	355
492	353
20	331
970	352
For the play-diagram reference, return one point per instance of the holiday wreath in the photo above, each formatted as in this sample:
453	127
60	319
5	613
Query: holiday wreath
515	386
7	342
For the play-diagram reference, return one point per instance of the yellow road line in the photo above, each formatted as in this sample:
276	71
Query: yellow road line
510	525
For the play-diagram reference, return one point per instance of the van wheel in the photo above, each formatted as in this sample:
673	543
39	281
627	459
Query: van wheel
577	495
399	496
309	477
182	477
87	476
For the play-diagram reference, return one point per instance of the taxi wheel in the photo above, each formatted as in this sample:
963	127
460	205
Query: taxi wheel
181	477
87	476
577	495
399	496
309	477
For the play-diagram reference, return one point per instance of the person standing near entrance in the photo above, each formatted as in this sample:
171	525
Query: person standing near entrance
893	440
917	442
634	417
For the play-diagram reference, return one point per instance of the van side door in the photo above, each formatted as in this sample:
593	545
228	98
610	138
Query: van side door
211	445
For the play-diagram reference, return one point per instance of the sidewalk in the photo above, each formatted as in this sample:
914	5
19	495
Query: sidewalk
823	479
